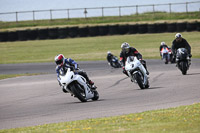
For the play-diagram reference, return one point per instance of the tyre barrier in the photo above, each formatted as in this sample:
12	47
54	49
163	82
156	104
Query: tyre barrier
94	31
161	27
103	30
142	28
152	28
198	26
191	26
133	29
123	29
32	34
12	36
83	31
171	27
63	32
53	33
73	32
180	27
22	35
113	30
43	34
3	36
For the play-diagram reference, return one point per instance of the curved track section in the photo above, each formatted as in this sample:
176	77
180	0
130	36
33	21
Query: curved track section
36	100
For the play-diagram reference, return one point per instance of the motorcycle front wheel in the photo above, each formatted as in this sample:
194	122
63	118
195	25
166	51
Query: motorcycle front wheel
96	95
139	80
79	92
183	65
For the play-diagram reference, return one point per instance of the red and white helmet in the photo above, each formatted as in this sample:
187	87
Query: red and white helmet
60	59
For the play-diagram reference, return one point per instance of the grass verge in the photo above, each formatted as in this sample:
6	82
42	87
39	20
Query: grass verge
90	48
180	119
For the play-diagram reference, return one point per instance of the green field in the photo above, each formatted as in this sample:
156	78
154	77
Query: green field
90	48
184	119
144	17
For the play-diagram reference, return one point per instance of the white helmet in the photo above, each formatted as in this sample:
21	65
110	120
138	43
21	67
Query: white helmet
125	47
178	35
108	52
162	43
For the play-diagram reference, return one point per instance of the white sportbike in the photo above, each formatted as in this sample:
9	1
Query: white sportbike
137	72
77	86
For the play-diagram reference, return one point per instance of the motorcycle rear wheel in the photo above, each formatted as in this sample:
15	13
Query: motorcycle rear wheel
139	80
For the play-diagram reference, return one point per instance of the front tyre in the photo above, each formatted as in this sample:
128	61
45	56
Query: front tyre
184	68
79	92
139	80
96	95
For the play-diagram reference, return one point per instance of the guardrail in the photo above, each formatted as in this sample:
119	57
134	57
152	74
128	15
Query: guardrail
96	11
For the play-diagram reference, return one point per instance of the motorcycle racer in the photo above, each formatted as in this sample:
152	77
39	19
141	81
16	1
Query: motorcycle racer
163	45
63	63
180	42
130	51
109	57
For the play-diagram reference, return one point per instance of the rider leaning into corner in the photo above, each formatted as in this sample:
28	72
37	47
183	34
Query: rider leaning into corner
109	57
180	42
64	63
130	51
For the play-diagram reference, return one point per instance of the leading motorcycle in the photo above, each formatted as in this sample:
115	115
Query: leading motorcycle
137	72
183	60
77	86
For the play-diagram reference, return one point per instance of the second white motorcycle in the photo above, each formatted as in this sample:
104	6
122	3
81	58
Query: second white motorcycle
137	72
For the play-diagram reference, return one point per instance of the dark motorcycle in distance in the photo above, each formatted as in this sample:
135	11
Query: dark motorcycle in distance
183	60
114	62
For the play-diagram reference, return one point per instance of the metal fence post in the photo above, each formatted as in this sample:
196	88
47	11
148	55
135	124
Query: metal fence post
186	4
119	11
85	12
33	15
102	12
153	9
68	13
136	9
170	8
51	14
16	16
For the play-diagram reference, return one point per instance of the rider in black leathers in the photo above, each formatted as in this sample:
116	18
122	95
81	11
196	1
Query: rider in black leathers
109	57
180	42
130	51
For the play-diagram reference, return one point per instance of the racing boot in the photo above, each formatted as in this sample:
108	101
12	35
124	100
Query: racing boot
92	85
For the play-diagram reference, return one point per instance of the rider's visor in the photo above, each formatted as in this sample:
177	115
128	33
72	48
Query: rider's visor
126	50
59	62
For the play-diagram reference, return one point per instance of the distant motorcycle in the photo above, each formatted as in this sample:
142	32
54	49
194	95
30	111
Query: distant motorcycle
114	62
183	60
136	72
77	86
165	54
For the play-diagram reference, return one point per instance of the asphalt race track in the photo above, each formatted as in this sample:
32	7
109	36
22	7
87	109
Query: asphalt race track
36	100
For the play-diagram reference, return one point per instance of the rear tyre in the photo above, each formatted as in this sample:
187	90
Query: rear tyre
139	80
79	92
96	95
